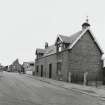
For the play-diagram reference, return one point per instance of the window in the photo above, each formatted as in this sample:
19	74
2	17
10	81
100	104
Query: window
65	45
31	64
59	68
59	49
59	45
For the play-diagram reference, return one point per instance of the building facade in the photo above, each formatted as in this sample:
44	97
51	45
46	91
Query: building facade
76	58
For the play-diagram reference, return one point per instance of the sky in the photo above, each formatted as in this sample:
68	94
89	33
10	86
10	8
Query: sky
27	24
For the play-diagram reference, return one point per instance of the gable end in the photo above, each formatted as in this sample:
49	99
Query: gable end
92	37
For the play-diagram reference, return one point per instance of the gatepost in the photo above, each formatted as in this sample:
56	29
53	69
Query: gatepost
69	77
85	78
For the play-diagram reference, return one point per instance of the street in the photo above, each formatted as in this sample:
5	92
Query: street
19	89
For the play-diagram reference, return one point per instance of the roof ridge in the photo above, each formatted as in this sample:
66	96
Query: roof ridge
75	33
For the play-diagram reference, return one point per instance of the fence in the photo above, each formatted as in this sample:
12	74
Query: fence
90	78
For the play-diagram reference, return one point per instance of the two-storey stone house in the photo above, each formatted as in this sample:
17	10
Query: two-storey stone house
74	58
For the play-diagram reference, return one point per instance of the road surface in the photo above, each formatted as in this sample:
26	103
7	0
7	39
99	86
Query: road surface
18	89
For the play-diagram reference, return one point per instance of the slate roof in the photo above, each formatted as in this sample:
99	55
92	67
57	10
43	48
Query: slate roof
48	51
72	39
38	50
52	49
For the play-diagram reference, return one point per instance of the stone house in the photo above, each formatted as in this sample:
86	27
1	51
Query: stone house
75	58
15	66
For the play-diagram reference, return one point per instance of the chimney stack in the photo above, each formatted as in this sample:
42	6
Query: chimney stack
86	24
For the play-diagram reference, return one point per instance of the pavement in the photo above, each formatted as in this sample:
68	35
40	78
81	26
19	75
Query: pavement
89	90
23	89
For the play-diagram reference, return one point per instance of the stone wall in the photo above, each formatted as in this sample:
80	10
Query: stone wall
53	59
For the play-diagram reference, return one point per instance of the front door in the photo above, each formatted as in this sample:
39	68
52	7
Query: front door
50	70
41	70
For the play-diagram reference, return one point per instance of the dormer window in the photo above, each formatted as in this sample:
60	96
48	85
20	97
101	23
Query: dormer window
65	45
40	53
59	45
62	43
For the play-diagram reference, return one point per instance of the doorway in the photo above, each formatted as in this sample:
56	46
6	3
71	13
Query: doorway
50	70
41	70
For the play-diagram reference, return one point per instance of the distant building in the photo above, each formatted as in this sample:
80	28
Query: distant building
1	67
28	66
5	68
76	58
15	66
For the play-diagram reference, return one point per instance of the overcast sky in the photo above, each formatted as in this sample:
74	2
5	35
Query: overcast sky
27	24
